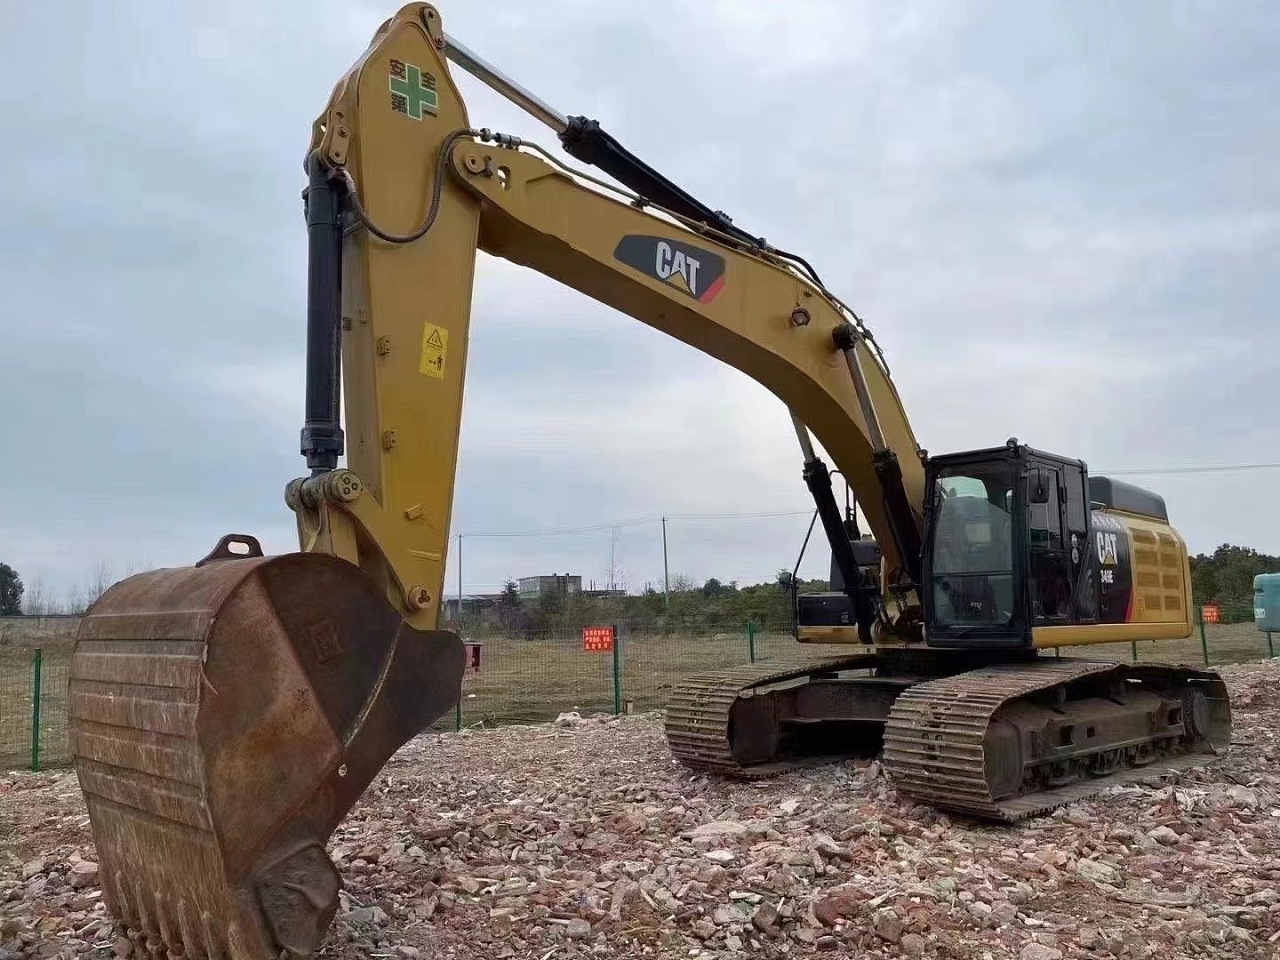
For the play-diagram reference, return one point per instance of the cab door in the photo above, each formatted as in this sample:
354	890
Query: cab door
1050	567
1079	538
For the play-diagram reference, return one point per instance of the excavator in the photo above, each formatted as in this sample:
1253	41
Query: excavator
224	717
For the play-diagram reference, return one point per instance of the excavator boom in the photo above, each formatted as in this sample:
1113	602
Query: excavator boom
225	717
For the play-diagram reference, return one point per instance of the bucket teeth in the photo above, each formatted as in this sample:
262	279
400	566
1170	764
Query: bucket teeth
223	719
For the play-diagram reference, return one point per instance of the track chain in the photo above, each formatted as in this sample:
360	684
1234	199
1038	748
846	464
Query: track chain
934	739
698	712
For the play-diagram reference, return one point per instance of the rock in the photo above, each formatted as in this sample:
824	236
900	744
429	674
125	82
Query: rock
765	919
1097	871
1089	938
723	916
831	908
1020	893
828	847
578	929
733	942
32	867
1038	951
789	806
827	943
719	828
1003	911
720	856
123	947
83	874
886	925
1243	796
570	719
1164	835
913	945
631	822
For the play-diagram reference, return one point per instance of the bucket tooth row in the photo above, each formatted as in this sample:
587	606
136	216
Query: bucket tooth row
223	719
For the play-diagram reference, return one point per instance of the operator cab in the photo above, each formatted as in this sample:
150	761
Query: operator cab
1005	546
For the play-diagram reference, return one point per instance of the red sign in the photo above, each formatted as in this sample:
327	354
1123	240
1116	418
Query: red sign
1210	613
597	639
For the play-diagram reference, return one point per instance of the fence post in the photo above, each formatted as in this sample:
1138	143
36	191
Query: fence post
35	710
457	714
751	640
617	672
1271	649
1133	650
1204	637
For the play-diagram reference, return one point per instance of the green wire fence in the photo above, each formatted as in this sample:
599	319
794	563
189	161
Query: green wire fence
534	676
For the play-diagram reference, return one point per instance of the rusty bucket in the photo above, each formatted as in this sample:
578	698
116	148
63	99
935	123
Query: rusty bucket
223	720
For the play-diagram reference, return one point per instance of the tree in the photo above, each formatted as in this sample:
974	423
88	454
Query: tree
1227	575
509	606
10	591
509	599
36	601
96	583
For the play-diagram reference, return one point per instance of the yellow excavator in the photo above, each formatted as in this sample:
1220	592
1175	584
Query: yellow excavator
225	717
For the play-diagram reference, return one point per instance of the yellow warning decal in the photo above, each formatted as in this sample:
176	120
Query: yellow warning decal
435	347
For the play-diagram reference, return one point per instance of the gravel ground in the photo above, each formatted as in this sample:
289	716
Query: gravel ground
585	839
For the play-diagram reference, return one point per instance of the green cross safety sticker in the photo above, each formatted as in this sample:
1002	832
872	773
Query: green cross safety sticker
413	92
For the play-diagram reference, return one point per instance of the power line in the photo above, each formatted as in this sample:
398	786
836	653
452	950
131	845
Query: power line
1164	471
639	520
757	515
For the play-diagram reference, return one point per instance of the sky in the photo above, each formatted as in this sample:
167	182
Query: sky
1061	220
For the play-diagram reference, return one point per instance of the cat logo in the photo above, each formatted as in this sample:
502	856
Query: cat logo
693	271
1107	549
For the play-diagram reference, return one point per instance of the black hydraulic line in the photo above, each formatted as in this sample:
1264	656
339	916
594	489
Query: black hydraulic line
818	479
897	508
322	440
587	141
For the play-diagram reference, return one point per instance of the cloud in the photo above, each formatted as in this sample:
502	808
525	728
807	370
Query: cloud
1061	227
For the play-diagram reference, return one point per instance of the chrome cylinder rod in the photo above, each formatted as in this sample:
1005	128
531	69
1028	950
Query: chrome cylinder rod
490	75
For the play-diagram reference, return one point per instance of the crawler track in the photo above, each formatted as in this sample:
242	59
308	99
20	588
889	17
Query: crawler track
982	741
699	713
937	749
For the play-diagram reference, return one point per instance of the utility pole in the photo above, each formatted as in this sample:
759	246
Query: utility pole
666	576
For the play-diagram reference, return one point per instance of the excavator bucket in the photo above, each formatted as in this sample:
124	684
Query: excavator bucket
223	719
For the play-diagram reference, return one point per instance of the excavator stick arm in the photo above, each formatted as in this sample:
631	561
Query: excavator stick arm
425	191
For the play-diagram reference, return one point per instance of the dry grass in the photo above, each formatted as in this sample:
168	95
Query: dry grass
534	680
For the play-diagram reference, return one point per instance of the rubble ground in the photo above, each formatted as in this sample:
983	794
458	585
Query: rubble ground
583	838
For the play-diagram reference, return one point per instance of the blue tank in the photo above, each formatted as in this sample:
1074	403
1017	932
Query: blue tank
1266	602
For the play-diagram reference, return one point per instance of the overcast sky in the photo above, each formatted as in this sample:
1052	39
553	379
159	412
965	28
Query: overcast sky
1061	220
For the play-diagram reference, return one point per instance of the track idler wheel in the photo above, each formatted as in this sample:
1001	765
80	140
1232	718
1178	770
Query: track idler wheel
223	719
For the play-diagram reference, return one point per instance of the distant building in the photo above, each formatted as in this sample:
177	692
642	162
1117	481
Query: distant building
471	603
603	594
533	587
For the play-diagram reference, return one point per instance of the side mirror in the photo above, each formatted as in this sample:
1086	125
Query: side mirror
1038	484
